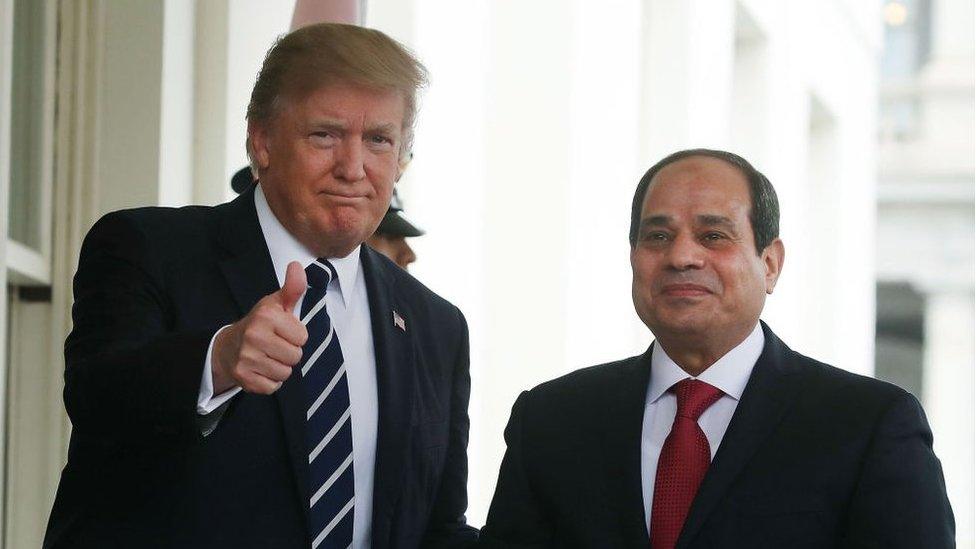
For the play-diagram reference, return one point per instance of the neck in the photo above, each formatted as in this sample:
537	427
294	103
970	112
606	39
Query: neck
695	354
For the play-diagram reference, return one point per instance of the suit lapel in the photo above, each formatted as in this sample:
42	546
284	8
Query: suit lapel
767	396
247	264
621	447
395	391
250	275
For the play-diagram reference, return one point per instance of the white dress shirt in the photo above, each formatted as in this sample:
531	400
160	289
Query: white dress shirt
730	374
348	308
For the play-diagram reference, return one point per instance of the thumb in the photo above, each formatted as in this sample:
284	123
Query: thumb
294	286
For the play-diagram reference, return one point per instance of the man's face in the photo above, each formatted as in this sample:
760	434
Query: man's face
327	163
394	247
696	271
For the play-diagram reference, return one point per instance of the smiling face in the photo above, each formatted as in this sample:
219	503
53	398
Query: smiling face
327	164
697	276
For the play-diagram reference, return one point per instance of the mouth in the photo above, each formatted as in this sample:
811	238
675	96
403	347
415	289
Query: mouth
343	197
684	290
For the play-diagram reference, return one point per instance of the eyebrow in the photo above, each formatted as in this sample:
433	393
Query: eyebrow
331	124
327	124
387	128
708	220
656	221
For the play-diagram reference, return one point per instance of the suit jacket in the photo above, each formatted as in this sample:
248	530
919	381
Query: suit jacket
813	457
153	286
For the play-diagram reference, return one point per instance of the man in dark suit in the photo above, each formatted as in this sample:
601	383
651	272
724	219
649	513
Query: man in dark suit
719	435
251	375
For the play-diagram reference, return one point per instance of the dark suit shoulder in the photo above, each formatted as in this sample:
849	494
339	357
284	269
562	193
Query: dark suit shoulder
591	386
160	222
833	384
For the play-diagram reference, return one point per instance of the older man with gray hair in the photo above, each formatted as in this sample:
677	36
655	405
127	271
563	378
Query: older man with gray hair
252	375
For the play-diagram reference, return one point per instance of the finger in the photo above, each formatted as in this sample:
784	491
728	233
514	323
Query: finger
271	369
294	286
283	351
271	329
260	385
292	330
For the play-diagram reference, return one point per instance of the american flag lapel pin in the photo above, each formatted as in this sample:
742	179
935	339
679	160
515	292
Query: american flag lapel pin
399	322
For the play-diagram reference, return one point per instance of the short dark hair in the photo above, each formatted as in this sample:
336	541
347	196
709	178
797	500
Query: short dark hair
764	210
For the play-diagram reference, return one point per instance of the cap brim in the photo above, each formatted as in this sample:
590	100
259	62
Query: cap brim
242	180
395	224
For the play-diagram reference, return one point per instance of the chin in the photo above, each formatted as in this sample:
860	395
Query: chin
685	324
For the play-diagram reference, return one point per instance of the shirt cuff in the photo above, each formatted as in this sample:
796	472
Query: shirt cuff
206	401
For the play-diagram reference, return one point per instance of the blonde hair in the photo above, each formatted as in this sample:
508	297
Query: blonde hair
316	56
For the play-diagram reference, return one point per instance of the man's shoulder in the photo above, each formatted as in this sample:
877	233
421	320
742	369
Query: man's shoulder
159	222
824	384
593	382
835	378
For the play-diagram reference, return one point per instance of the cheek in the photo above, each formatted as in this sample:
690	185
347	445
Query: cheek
644	273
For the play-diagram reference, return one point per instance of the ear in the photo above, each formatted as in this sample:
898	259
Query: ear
404	159
773	257
257	135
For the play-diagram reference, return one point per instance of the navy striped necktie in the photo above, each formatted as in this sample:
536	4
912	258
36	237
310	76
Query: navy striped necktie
328	424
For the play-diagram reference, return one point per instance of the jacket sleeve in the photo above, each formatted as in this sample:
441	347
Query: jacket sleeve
516	519
127	374
447	526
900	499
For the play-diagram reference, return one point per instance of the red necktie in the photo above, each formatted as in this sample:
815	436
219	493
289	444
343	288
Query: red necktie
684	459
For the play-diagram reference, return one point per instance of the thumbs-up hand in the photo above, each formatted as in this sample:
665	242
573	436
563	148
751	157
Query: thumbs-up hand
258	351
294	287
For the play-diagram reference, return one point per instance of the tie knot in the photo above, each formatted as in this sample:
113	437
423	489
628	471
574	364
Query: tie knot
694	397
319	273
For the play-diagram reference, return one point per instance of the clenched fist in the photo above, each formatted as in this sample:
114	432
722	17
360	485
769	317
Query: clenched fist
258	351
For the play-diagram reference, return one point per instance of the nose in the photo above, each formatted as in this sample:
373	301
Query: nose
349	160
685	253
405	256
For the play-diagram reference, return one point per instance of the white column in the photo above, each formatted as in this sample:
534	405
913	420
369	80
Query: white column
130	103
6	70
210	103
687	77
947	386
176	105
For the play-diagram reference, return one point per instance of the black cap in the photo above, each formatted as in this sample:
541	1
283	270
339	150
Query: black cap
241	180
395	223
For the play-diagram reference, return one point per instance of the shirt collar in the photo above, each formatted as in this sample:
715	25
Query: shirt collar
285	248
729	373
